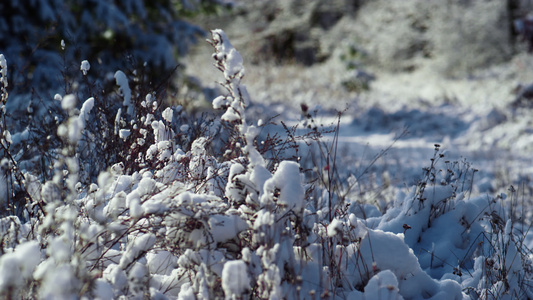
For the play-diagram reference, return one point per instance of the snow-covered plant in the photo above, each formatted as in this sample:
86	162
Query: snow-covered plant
13	193
273	203
208	211
46	41
5	136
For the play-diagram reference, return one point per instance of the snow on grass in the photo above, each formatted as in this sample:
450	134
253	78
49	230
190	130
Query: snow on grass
383	285
224	227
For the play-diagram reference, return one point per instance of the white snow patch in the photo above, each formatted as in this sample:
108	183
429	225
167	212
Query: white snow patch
18	266
167	114
124	133
335	227
287	180
124	90
235	279
68	102
85	67
224	228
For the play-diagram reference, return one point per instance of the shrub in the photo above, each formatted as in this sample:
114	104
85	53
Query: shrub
169	219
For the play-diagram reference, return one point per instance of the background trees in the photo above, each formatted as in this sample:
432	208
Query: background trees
106	33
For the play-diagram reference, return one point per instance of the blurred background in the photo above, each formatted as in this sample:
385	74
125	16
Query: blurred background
345	51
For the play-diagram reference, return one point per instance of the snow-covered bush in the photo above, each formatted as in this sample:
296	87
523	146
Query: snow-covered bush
209	214
45	41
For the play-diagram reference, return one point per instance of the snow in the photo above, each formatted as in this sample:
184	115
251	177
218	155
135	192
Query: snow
124	90
161	131
225	227
133	201
235	280
161	262
85	67
68	102
115	275
3	77
220	102
234	64
103	290
334	227
18	266
53	277
177	222
184	128
73	129
263	218
167	114
86	110
140	245
287	179
381	286
186	292
124	133
19	137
